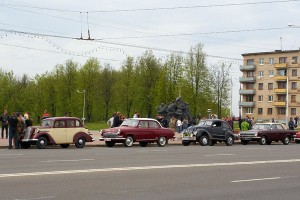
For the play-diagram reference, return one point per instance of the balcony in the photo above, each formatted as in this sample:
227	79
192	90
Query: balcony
280	78
245	92
247	104
280	65
247	79
279	103
281	90
248	68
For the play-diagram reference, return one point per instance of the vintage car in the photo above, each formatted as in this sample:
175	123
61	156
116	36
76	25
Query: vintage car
297	138
209	132
265	133
61	131
142	130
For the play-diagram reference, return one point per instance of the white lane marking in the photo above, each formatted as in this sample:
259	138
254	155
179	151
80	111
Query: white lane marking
38	198
147	168
221	155
256	179
49	161
11	154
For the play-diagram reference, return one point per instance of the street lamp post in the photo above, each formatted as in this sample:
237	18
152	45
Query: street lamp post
83	118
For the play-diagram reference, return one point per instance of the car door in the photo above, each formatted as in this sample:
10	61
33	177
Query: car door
272	134
281	132
59	131
71	130
142	132
155	130
217	130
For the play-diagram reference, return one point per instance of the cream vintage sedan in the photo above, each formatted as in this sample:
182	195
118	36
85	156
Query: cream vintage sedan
61	131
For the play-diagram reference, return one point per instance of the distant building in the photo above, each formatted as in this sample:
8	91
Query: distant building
270	85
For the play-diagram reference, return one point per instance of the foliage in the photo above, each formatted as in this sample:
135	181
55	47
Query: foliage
139	84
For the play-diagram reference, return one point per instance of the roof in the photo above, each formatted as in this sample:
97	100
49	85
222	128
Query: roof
271	52
54	118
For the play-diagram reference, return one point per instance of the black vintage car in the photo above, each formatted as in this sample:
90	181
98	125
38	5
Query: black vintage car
209	132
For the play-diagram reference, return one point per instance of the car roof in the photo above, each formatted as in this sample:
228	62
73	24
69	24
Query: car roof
150	119
56	118
269	123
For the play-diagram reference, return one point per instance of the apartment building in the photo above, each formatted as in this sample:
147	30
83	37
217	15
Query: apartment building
270	85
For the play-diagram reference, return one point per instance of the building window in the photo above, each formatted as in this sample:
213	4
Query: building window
250	61
249	111
270	111
282	98
281	111
293	98
281	72
282	85
260	111
260	98
250	86
260	86
294	72
271	73
250	74
249	98
270	86
293	111
295	60
261	73
294	85
270	98
261	61
282	60
271	61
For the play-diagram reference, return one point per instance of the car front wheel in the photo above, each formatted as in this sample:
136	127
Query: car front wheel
162	141
204	140
128	141
80	143
286	140
42	143
263	140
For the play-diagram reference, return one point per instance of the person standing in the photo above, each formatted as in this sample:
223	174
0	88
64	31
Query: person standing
13	125
291	124
245	125
179	125
4	120
117	120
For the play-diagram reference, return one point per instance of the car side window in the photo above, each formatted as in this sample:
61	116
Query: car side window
279	127
71	123
225	125
143	124
77	123
59	124
273	127
154	125
217	124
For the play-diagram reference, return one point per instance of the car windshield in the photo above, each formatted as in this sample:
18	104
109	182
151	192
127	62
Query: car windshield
130	122
261	127
47	122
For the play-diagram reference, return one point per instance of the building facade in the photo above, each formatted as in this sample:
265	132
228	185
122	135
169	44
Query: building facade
270	85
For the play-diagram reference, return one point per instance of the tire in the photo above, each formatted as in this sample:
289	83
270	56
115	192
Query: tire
143	144
229	141
42	143
204	140
80	143
109	143
162	141
128	141
64	146
263	140
213	142
286	140
244	142
186	143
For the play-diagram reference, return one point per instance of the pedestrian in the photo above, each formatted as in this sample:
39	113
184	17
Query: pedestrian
162	120
273	120
117	121
136	114
178	125
45	114
110	122
4	119
28	120
245	125
291	124
13	125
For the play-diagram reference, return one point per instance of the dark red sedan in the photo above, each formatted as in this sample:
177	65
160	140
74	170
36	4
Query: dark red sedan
142	130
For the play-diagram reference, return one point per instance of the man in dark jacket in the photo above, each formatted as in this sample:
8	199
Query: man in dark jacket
13	125
4	119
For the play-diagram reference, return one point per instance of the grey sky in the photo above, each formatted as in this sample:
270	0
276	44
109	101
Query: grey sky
226	28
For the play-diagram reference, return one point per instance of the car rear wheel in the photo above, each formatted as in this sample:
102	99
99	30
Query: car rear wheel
162	141
42	143
244	142
229	141
128	141
80	143
286	140
204	140
64	146
109	143
143	144
263	140
186	143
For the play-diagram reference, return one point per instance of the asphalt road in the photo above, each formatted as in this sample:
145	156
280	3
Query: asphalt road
171	172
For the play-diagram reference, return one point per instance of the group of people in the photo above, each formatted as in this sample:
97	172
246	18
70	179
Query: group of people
14	126
246	124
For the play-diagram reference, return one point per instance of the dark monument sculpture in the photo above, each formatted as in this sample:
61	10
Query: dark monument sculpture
176	108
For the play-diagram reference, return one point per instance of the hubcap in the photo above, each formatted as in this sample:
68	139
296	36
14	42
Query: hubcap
287	140
42	142
230	140
263	140
204	140
129	141
162	140
80	141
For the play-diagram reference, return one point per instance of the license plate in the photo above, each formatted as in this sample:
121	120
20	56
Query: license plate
185	138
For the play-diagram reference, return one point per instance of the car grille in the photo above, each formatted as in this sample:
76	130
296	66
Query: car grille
27	133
